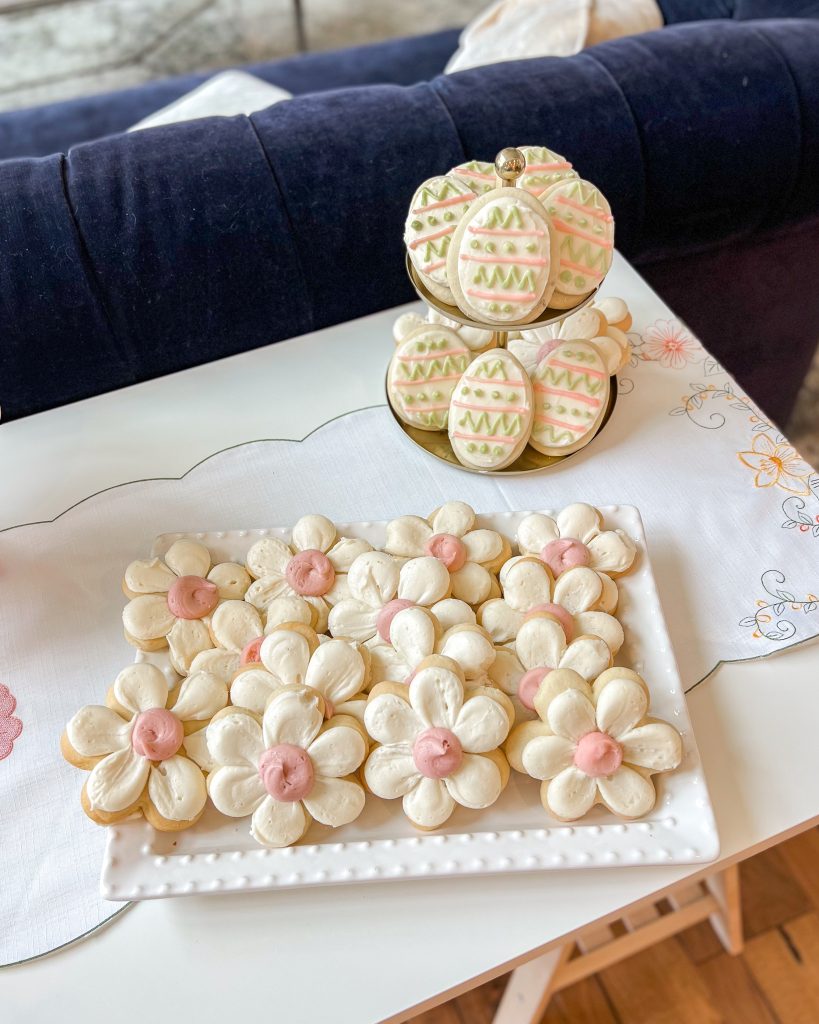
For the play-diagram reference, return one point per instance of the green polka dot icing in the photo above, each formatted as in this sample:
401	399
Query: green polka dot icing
475	244
432	219
417	225
465	390
490	246
508	247
484	449
471	446
565	275
449	215
496	394
479	392
512	396
579	281
493	307
531	247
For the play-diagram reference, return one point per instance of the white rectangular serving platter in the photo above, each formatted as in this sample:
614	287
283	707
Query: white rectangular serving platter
218	855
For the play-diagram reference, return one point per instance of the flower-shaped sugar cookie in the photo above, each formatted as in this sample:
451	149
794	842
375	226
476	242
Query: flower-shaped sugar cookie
171	600
581	598
287	768
594	745
312	566
604	323
413	634
575	537
438	748
146	748
470	555
544	643
292	655
379	586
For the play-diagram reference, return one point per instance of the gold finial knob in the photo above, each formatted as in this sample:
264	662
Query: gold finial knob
509	165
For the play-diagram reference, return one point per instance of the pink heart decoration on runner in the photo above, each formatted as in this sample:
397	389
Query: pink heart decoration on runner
10	726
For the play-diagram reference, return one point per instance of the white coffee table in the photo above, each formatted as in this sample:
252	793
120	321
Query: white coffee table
381	951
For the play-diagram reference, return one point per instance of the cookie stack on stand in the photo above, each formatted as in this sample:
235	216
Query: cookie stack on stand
322	673
511	354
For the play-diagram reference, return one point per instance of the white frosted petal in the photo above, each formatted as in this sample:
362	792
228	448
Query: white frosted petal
236	791
527	583
500	620
292	716
388	718
287	609
278	824
477	783
234	624
231	579
571	794
579	522
322	610
428	803
412	634
187	639
149	576
455	517
612	551
471	649
544	757
176	788
314	533
147	617
117	781
578	589
471	583
571	715
655	746
627	792
483	545
286	654
253	688
506	670
263	592
268	557
96	730
621	704
353	619
390	771
452	612
535	532
540	643
407	536
345	551
373	578
609	596
196	747
200	696
139	687
340	590
188	558
436	695
481	725
235	738
336	670
602	625
335	801
588	656
525	350
423	581
222	664
386	664
337	751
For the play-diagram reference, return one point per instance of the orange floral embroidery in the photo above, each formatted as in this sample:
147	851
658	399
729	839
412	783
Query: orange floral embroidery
776	464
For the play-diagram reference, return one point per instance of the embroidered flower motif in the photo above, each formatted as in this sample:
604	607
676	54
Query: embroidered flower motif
313	566
581	598
10	725
594	745
379	586
668	343
145	749
471	556
776	464
288	768
173	598
437	748
290	656
541	646
576	537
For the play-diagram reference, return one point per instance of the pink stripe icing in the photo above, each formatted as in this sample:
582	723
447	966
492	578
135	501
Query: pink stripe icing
505	232
578	369
428	269
580	268
490	408
561	165
545	389
607	217
502	296
527	261
560	423
429	238
569	229
474	174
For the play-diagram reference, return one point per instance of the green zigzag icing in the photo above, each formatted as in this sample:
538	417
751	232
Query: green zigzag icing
548	434
582	252
503	424
498	219
423	370
569	381
494	369
511	278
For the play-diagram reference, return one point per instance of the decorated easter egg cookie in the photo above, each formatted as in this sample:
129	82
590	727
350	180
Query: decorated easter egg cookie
581	221
544	168
477	174
571	386
490	415
501	265
436	208
423	372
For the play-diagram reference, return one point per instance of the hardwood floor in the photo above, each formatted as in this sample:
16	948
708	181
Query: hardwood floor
689	979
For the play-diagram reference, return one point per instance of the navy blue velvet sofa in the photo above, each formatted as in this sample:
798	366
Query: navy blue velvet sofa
124	257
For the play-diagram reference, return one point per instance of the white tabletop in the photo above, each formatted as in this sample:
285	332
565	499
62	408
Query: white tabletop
362	953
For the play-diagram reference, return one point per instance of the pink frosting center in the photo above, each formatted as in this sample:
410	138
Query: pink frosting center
250	654
448	549
286	772
157	734
558	612
528	686
310	573
437	753
387	614
563	554
192	597
598	754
